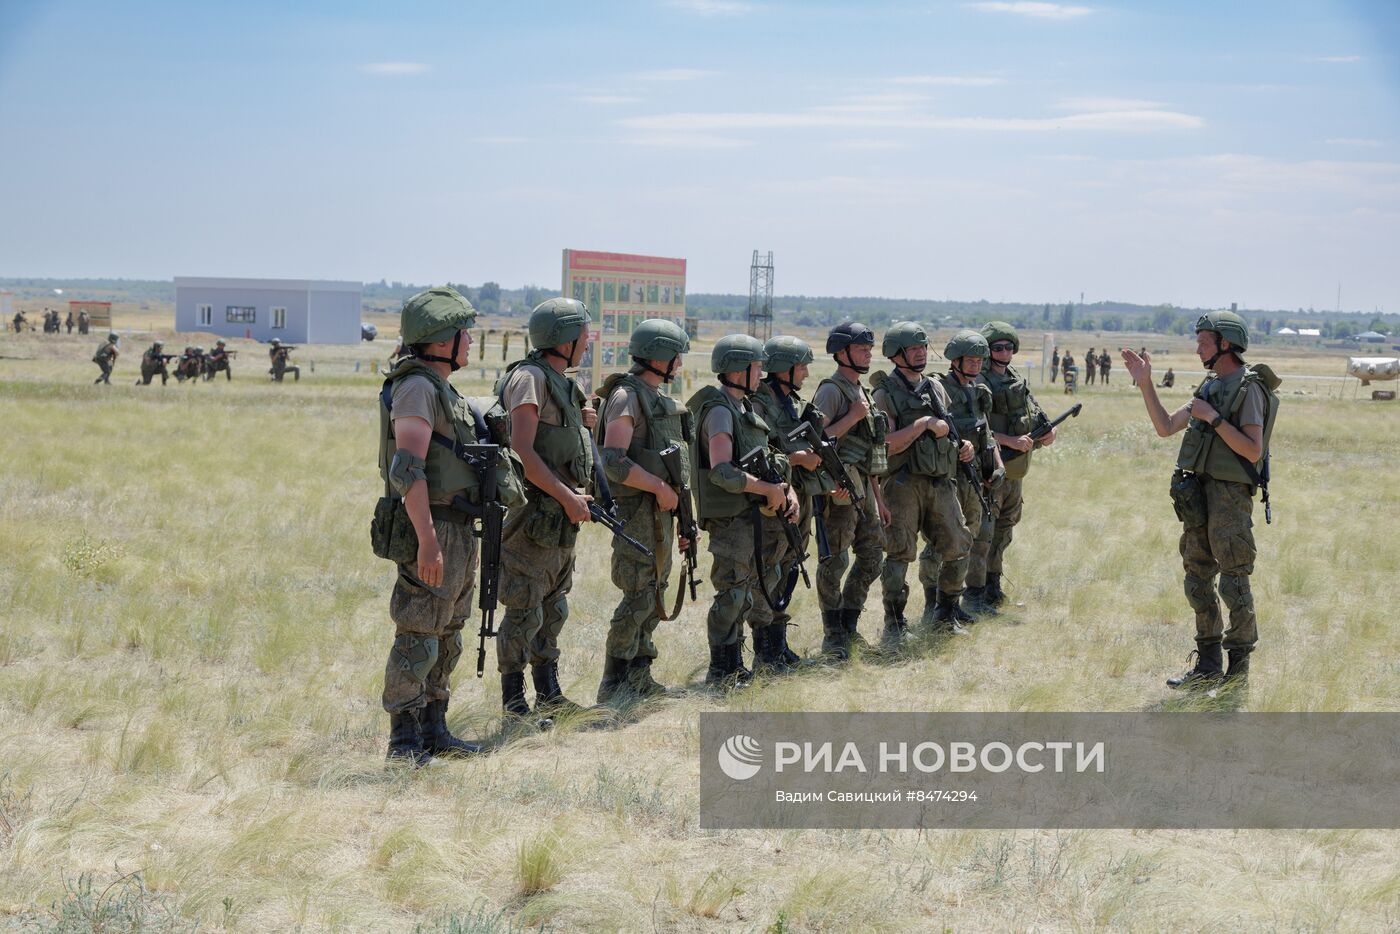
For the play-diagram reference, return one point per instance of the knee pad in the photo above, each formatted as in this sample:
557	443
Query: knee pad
1234	590
1199	593
415	654
557	609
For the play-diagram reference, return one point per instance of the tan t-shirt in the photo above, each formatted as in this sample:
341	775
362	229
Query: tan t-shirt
624	401
831	400
527	386
417	397
718	421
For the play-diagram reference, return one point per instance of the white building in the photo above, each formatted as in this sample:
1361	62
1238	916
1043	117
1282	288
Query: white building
299	311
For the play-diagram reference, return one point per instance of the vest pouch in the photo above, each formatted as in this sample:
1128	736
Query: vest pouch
547	526
1189	499
391	532
878	460
1193	441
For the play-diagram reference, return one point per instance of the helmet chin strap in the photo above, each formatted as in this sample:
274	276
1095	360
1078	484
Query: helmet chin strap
851	363
667	375
746	387
1219	352
775	380
909	366
957	368
569	359
451	361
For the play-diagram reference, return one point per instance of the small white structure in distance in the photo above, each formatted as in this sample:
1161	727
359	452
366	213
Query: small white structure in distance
1373	369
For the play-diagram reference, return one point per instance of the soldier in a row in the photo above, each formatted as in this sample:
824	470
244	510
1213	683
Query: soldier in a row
153	362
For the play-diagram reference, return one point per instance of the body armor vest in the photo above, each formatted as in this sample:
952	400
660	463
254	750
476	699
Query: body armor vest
1202	450
564	448
927	456
863	446
750	431
447	474
782	417
1013	412
666	422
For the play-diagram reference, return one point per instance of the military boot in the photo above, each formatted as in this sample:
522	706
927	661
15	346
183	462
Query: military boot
959	614
792	658
1206	673
1239	666
975	601
945	614
835	642
513	694
928	619
896	626
727	667
437	739
406	741
768	649
614	681
549	696
641	681
850	620
994	594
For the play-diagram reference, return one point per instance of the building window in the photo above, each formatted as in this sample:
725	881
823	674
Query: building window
679	295
579	287
595	296
206	315
624	291
651	293
665	295
610	291
279	317
241	314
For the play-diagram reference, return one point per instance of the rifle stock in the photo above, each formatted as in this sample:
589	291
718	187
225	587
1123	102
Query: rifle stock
1041	430
685	512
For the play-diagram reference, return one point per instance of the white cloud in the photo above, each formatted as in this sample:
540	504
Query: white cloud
1336	59
1107	103
673	74
394	69
713	7
1034	9
1352	141
951	81
1123	120
686	141
607	100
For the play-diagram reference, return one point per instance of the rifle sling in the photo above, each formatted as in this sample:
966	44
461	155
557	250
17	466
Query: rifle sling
780	604
659	590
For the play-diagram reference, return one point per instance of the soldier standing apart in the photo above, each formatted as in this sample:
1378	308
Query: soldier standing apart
728	429
1105	361
549	425
786	361
971	410
18	321
1014	414
278	354
219	360
1090	361
638	421
920	489
859	430
106	358
1054	364
84	322
69	321
1223	458
432	597
153	362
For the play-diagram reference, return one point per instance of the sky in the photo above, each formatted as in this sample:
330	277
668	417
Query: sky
1193	153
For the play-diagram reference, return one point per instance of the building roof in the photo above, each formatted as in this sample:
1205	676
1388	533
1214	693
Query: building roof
1285	331
1370	336
318	285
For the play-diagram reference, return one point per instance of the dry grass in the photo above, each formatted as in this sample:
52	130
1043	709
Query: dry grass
192	637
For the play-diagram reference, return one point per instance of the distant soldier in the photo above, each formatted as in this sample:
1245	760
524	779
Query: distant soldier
1224	457
549	431
69	321
1069	371
187	367
219	360
859	529
920	489
1054	364
279	353
152	362
1090	365
1105	361
728	428
1014	413
786	361
637	422
1169	380
84	321
18	321
106	358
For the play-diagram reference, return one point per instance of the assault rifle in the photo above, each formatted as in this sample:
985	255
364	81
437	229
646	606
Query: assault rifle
761	465
164	357
1043	427
685	512
970	473
492	513
603	508
825	448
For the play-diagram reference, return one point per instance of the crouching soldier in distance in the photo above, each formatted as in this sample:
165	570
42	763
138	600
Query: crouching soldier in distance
549	431
1014	414
921	488
220	359
728	429
637	422
971	407
280	356
153	361
432	597
851	528
1224	457
777	402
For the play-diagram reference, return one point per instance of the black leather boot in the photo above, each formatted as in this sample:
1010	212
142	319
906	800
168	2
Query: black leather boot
1206	673
1239	666
835	642
639	677
896	626
994	594
974	601
513	694
792	658
929	618
614	681
549	696
850	621
405	740
959	614
437	739
719	666
767	649
945	614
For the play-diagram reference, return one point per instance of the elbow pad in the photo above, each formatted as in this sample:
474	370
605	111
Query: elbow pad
616	464
405	470
728	477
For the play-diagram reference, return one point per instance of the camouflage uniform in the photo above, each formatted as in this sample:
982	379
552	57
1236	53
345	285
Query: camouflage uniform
219	360
106	358
280	366
153	362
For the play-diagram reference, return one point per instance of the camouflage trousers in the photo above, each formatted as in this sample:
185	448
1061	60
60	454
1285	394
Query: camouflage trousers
219	366
733	575
924	506
979	529
428	623
635	619
1224	546
280	371
148	373
987	552
777	564
850	528
106	376
535	583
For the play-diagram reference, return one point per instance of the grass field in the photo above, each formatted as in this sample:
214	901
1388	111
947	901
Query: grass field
193	634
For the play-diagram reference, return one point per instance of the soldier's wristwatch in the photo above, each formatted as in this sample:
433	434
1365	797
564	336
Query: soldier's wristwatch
1215	422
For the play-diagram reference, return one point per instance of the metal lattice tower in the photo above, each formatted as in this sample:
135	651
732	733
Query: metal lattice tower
761	296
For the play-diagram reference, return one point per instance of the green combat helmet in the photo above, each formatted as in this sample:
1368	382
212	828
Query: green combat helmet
435	315
732	354
113	337
1229	326
276	342
658	339
783	353
901	336
967	343
161	344
557	321
995	331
